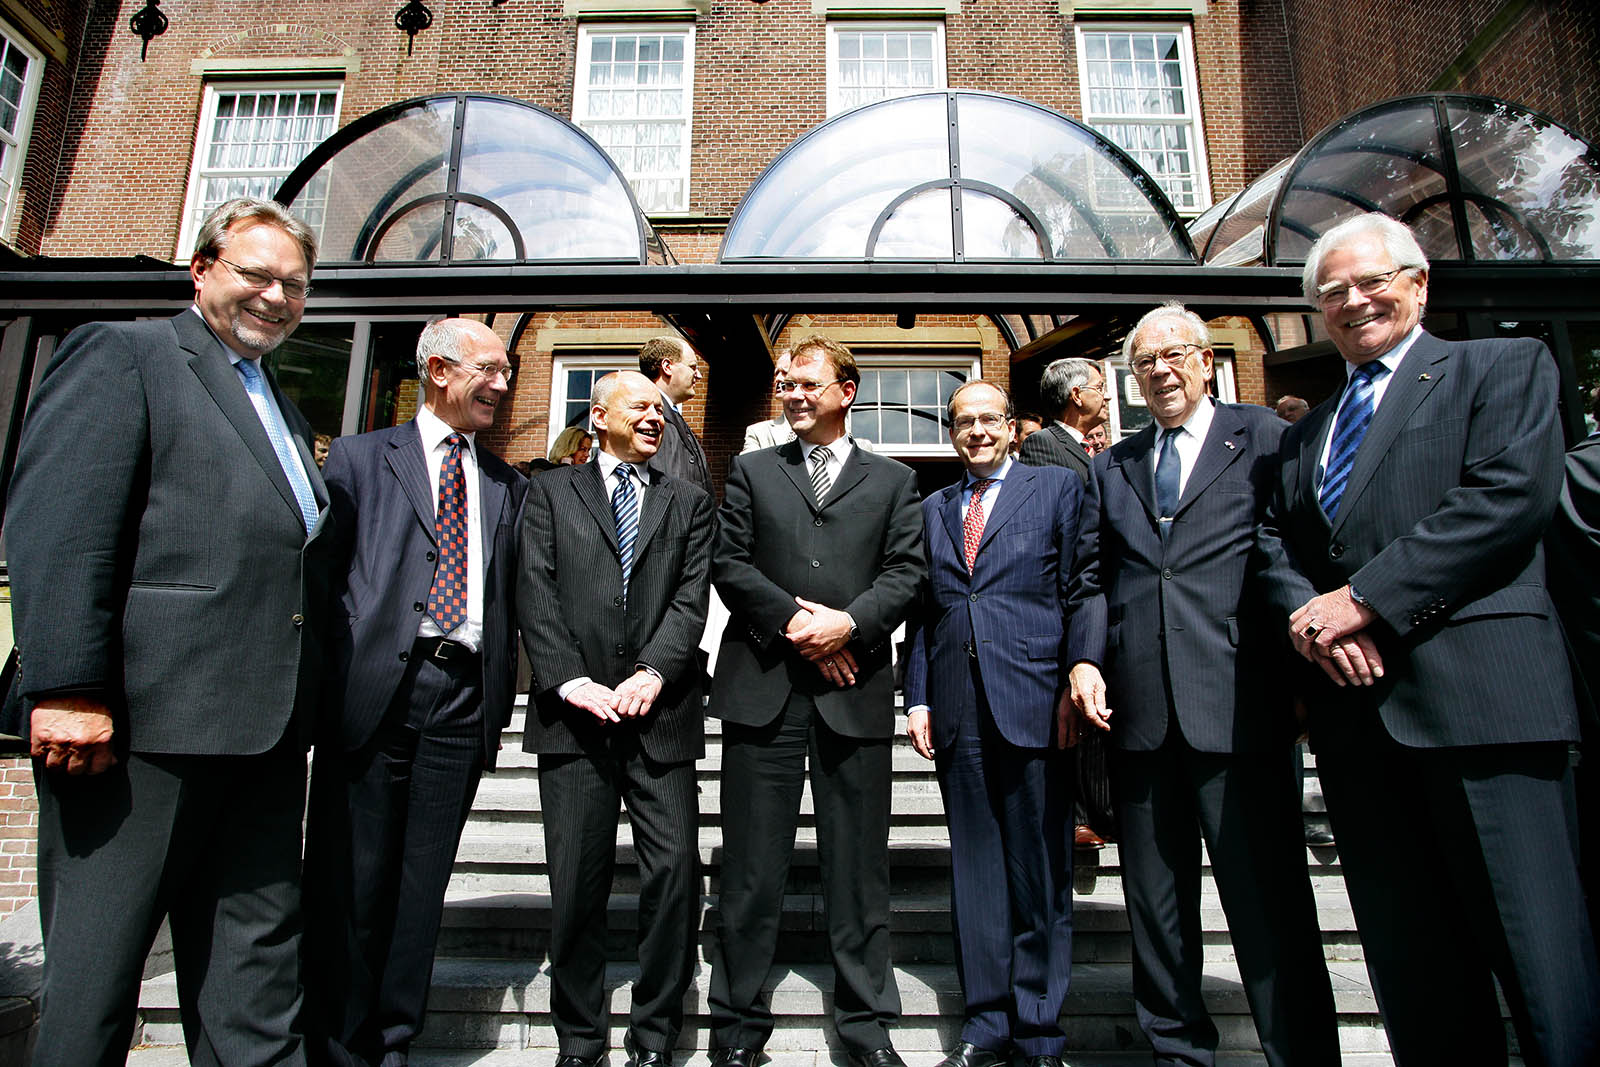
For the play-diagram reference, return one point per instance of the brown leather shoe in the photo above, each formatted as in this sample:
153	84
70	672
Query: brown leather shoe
1085	838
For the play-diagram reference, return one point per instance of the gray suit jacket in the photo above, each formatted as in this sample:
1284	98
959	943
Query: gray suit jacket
575	623
158	557
680	454
1053	446
861	551
384	513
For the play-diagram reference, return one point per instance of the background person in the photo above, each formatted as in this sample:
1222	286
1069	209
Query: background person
674	366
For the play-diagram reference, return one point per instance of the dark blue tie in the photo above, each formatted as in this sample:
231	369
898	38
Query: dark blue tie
625	508
1169	471
1355	415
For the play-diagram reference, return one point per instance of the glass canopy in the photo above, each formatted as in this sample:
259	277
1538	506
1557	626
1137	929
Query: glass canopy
956	176
1475	177
468	178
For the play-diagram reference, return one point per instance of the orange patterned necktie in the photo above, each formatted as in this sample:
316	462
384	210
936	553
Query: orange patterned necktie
972	526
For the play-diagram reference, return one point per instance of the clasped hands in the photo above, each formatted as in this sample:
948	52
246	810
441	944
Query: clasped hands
629	700
820	633
1330	631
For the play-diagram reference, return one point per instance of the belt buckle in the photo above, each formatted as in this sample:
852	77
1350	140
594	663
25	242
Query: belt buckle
443	651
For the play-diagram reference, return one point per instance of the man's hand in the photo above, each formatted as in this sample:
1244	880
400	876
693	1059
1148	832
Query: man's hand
598	700
73	735
1066	720
636	695
1353	660
1088	692
824	633
919	727
1322	620
839	668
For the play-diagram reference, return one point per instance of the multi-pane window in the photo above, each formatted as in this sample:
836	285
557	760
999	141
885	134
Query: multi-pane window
635	95
572	381
20	70
901	408
879	60
1139	90
250	138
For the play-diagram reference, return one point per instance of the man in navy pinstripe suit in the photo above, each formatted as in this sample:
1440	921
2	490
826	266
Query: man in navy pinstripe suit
986	689
1415	502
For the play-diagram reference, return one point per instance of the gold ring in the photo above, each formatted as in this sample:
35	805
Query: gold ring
1310	632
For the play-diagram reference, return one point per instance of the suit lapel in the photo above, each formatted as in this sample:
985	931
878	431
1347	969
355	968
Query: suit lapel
409	463
656	502
1138	468
1409	387
591	489
491	499
950	512
850	476
1317	425
794	466
1015	491
1221	448
209	360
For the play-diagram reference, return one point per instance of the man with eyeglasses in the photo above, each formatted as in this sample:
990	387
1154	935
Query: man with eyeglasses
1074	391
422	666
987	700
169	576
818	557
1416	499
774	431
1178	653
673	364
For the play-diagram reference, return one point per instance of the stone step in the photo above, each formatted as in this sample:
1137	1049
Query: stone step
166	1056
479	1003
516	796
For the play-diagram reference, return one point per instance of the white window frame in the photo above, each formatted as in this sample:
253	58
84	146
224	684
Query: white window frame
16	143
580	117
560	366
207	124
1190	120
941	73
941	449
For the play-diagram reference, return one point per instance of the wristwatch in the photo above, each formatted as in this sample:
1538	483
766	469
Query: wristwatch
1360	600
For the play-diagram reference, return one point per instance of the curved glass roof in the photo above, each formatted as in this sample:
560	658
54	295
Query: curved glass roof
955	176
468	178
1476	178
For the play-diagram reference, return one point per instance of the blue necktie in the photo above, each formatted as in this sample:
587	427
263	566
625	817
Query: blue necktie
1348	430
625	507
278	434
1169	470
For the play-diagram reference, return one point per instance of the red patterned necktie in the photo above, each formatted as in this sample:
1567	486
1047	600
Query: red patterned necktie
972	526
447	600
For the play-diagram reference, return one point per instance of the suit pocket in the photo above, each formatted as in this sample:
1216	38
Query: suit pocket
1512	600
1043	646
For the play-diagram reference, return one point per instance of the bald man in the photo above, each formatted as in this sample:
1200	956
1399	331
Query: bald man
422	671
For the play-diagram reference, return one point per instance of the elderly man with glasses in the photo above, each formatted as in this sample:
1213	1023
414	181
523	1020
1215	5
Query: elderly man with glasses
1180	655
1416	500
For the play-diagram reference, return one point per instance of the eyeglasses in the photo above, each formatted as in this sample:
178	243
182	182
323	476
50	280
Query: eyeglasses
485	370
1371	285
784	388
255	278
1144	363
991	421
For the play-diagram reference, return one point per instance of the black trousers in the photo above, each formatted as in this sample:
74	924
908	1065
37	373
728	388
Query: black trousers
763	777
1462	867
580	796
1246	807
210	842
381	841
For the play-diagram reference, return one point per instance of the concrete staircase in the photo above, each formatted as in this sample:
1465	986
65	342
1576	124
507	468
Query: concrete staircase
491	989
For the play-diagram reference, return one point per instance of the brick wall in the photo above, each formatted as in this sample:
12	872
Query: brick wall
19	821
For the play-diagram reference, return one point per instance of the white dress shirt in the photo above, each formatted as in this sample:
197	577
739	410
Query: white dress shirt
434	430
1074	434
838	450
1380	386
1190	437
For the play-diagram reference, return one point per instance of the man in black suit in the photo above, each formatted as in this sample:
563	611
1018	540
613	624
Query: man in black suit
819	554
169	579
675	369
422	666
988	701
616	570
1174	630
1415	501
1074	389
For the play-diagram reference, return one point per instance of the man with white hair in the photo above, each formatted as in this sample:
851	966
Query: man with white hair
774	431
1415	502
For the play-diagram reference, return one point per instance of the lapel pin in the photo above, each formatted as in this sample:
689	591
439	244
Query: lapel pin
1424	377
1228	445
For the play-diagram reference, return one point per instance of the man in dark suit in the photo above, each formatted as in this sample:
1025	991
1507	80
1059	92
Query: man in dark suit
616	570
1174	630
169	582
1415	501
819	554
675	369
1074	391
422	663
988	701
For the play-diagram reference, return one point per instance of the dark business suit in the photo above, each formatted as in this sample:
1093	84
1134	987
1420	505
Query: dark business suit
1447	781
576	623
985	651
680	454
159	563
861	552
1202	733
1053	446
403	740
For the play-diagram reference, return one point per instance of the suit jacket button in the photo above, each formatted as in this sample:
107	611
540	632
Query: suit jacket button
430	557
619	650
973	597
298	619
816	522
617	601
417	606
1166	573
1335	550
816	563
404	656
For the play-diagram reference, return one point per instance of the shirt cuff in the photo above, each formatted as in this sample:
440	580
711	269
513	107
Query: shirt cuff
565	689
913	709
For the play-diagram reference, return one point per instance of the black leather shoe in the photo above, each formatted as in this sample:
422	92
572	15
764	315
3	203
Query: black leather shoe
579	1061
1317	837
734	1057
880	1057
967	1054
1044	1061
639	1056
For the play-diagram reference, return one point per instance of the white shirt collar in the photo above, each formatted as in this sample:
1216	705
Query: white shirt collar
837	449
1198	424
997	476
1076	436
609	464
434	430
1391	359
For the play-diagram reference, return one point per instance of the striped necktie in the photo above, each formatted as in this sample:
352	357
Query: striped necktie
820	482
1348	430
625	508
